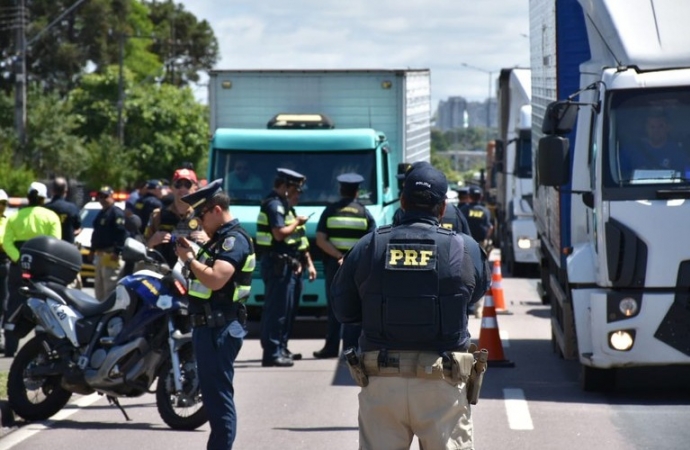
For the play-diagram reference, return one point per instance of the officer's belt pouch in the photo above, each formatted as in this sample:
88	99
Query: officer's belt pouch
461	366
430	366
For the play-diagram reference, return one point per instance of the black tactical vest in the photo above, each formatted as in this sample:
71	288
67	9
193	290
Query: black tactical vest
413	299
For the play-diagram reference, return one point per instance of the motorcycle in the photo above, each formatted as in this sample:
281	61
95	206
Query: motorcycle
116	347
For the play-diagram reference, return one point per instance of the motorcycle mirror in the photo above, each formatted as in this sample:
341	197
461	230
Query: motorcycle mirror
133	250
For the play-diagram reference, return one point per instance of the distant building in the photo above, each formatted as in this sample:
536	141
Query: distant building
456	112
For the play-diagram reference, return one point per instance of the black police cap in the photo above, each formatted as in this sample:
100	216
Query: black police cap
198	199
425	185
290	176
352	179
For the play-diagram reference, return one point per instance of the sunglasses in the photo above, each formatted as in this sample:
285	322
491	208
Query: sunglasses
203	213
179	184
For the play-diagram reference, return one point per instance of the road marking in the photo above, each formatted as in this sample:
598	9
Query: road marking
25	432
517	410
505	338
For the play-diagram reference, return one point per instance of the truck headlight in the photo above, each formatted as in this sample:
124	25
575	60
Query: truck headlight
622	340
628	306
524	243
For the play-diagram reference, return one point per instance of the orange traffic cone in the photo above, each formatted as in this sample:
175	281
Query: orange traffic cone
497	288
490	337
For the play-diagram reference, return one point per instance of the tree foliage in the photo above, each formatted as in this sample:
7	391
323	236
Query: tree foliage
155	35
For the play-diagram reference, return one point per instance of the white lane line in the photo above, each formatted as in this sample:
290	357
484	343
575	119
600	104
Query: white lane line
29	430
505	338
517	410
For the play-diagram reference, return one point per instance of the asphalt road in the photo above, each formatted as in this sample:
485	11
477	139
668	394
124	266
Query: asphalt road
538	404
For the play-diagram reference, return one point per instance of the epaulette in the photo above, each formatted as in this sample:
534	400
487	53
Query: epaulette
383	229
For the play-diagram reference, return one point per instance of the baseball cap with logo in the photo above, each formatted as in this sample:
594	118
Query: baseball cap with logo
184	174
40	189
425	185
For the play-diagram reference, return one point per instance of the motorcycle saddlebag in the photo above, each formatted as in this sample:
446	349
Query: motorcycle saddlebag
47	258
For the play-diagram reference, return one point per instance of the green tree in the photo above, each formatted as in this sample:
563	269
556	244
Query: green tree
185	44
155	35
164	125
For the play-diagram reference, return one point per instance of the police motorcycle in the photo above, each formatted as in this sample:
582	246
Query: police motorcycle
117	347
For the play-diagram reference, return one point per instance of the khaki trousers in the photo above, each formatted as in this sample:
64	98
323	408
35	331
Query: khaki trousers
392	410
107	274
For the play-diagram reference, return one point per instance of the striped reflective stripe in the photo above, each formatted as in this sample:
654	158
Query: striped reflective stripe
242	291
262	219
489	322
352	223
343	243
196	289
263	239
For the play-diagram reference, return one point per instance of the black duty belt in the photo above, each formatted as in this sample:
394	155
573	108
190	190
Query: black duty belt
214	319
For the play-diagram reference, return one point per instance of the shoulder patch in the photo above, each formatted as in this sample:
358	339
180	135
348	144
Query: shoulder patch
280	209
228	243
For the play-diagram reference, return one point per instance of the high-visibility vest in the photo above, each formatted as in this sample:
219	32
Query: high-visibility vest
347	226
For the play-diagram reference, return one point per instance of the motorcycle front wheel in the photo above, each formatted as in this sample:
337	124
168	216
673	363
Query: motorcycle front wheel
34	398
181	410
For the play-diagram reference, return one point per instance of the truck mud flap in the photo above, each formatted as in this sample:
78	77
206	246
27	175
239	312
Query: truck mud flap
562	322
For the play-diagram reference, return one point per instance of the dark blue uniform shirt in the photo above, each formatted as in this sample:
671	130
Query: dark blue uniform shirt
109	231
69	217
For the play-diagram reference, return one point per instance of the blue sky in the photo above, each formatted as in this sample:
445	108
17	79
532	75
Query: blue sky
383	34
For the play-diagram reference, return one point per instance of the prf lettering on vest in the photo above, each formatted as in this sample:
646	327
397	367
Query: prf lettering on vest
411	257
476	213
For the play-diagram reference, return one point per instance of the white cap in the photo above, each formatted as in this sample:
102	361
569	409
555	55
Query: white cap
3	195
40	189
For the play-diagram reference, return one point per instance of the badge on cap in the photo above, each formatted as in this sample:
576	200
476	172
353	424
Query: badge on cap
193	224
228	243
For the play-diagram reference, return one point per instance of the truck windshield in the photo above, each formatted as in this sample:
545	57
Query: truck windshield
248	174
648	140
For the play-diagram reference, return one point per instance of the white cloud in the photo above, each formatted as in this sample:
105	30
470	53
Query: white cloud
385	34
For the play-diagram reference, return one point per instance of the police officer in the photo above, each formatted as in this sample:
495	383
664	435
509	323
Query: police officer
453	218
66	210
177	219
341	225
478	217
27	223
149	201
278	240
220	280
107	240
463	196
4	261
410	285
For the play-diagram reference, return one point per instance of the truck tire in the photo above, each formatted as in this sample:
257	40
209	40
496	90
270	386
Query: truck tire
594	379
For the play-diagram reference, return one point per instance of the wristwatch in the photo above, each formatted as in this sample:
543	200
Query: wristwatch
188	263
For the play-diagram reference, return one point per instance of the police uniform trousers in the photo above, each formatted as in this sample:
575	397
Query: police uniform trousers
107	273
281	286
14	301
4	290
335	330
216	350
293	307
396	407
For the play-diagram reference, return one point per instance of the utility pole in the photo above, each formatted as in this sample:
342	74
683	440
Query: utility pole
20	75
121	92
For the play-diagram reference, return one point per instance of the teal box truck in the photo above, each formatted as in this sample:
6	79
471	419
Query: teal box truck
321	123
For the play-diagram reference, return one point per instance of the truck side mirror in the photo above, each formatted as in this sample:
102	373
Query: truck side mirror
553	161
499	154
559	118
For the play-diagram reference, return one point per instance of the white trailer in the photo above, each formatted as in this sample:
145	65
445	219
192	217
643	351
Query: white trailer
513	173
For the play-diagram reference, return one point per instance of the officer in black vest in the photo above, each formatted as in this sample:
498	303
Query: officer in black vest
220	279
66	210
453	218
278	240
341	225
410	286
478	216
145	205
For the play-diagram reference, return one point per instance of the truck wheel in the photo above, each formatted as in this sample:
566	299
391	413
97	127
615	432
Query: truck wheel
594	379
